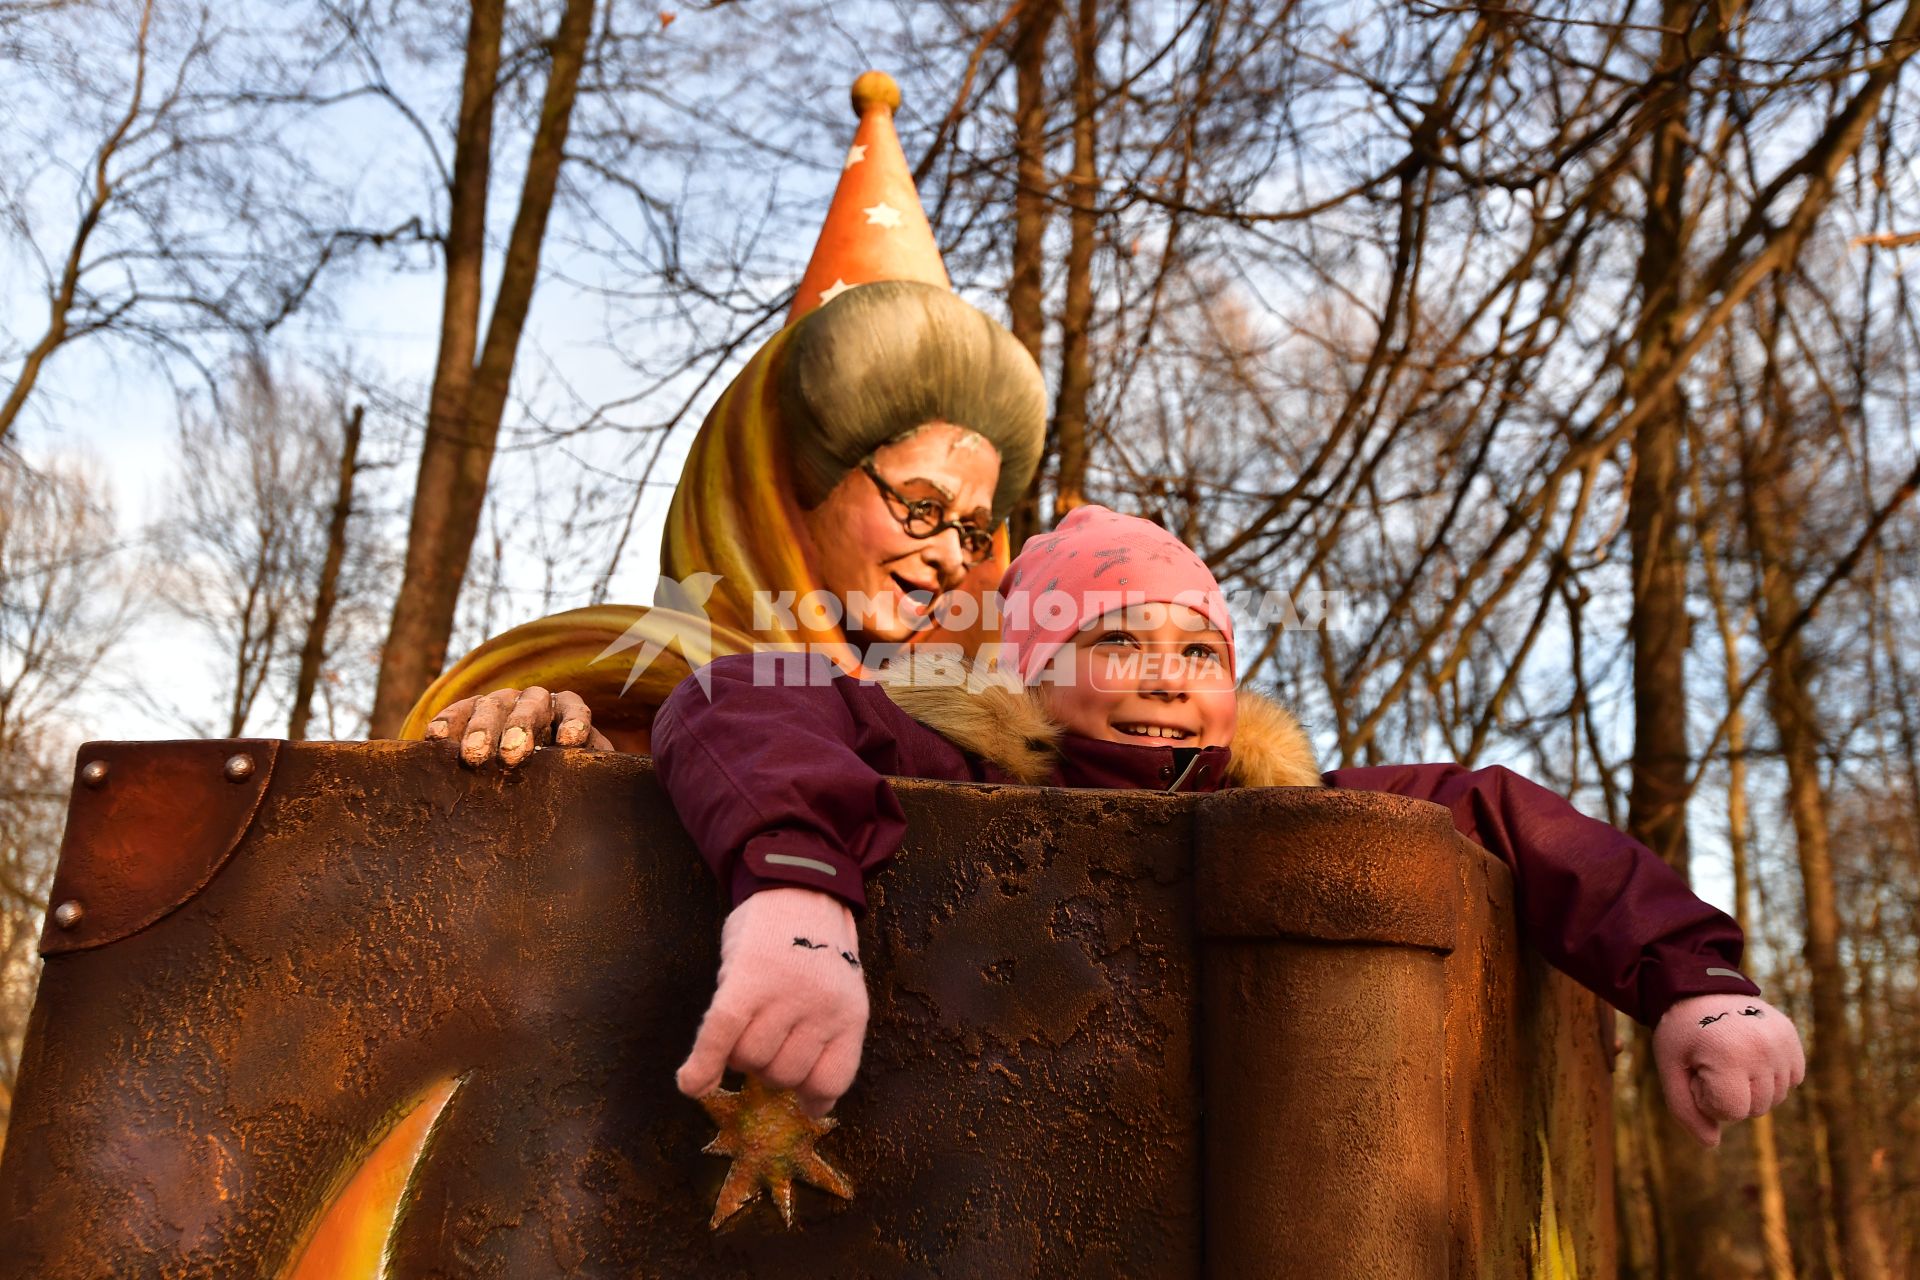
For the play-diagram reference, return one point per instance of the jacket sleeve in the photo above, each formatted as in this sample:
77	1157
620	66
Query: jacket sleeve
1599	905
781	780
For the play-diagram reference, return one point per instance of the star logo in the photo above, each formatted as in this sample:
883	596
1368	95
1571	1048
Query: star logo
678	616
855	154
882	215
833	290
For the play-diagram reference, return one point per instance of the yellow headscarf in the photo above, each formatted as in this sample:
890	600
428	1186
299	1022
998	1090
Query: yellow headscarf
735	514
877	344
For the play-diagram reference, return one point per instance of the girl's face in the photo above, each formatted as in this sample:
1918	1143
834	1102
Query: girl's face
1152	674
888	580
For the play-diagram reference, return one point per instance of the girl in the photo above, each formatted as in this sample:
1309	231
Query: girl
1117	670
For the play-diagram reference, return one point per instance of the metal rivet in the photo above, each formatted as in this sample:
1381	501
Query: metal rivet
239	768
94	773
68	913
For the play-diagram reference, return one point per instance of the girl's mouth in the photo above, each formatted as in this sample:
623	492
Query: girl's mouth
1158	732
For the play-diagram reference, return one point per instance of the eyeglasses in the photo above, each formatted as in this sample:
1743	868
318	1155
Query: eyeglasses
924	518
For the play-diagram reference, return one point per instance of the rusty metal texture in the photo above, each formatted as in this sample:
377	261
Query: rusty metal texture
150	826
1352	1088
1529	1150
1384	868
1046	1017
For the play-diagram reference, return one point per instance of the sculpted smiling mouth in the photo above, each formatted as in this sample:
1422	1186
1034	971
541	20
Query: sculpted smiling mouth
920	593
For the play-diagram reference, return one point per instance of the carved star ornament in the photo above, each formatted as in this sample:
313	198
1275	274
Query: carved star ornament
772	1142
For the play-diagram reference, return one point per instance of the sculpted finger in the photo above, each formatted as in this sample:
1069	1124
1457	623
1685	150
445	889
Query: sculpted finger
795	1061
598	741
451	724
526	725
831	1077
478	743
700	1074
575	721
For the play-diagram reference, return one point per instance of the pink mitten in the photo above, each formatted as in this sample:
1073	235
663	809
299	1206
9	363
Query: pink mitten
791	1006
1725	1058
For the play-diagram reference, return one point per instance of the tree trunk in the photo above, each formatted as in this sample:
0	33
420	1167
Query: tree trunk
469	398
1634	1183
1771	525
1076	375
1690	1228
315	648
1657	804
1030	213
1776	1243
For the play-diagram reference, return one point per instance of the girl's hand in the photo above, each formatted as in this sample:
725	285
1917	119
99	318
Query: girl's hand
510	723
791	1003
1725	1058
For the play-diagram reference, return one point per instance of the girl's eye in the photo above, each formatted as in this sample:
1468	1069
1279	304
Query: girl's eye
1205	652
1116	637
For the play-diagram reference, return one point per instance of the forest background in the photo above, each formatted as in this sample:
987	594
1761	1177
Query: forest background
1570	342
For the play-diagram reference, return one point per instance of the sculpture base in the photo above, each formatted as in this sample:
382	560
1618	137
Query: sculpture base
1318	1052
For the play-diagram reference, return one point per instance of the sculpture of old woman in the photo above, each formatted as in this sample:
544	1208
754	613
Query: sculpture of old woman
866	456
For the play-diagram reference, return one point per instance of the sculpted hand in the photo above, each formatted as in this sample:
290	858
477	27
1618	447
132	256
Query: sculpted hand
510	723
1725	1058
791	1004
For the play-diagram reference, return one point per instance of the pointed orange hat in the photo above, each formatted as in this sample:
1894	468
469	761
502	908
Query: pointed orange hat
875	228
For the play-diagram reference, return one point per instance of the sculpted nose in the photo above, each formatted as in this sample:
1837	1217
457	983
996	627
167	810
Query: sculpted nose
942	554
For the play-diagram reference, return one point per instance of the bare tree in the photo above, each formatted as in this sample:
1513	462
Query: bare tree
1776	1241
474	371
1076	368
326	593
1696	1230
67	285
65	602
249	540
1032	29
1775	491
157	126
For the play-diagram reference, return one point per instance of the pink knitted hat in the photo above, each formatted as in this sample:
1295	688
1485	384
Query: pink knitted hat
1096	561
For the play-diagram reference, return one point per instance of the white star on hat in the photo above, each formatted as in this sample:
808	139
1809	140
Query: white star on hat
855	154
882	215
833	290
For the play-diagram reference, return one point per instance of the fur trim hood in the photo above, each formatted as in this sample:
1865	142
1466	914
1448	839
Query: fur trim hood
994	716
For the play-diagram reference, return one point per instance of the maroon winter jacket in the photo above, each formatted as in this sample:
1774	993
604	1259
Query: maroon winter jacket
782	780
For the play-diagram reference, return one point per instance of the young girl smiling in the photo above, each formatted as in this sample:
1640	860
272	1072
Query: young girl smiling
1117	669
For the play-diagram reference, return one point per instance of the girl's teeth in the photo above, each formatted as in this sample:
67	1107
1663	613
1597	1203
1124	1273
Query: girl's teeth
1152	731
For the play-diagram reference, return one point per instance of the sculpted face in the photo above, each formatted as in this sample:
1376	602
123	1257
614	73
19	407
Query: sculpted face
860	545
1149	674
